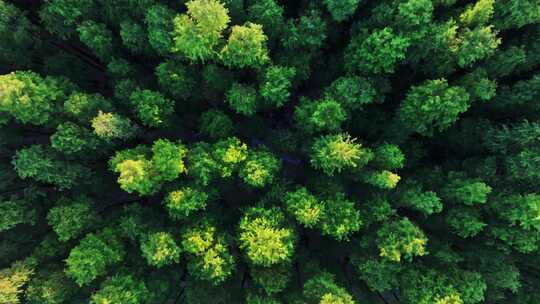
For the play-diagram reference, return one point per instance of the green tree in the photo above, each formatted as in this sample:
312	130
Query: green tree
153	109
198	33
70	218
121	289
377	53
29	98
246	46
160	249
276	85
93	255
265	237
333	153
433	106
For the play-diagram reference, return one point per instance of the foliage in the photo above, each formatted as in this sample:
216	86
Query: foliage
265	151
160	249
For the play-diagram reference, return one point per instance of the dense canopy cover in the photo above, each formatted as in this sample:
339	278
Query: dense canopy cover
270	151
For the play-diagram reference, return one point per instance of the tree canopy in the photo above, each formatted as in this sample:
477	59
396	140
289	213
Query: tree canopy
269	151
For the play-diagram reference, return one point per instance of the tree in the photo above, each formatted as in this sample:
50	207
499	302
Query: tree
265	238
323	289
401	239
260	168
333	153
112	126
175	79
198	33
29	98
340	218
160	249
183	202
153	109
432	106
242	99
209	256
70	218
95	252
377	53
305	207
36	162
276	85
341	9
246	46
121	289
324	115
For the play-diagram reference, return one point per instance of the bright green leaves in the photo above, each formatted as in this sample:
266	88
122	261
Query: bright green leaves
135	175
341	9
83	107
479	13
335	215
276	85
229	154
377	53
265	238
160	249
121	289
183	202
516	13
381	179
389	156
144	176
433	106
69	218
415	13
112	126
167	159
340	218
260	168
198	32
93	255
13	280
523	211
28	97
477	44
401	240
333	153
304	206
242	99
209	258
152	108
448	286
323	289
246	46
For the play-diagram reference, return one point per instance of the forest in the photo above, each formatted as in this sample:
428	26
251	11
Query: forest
269	151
